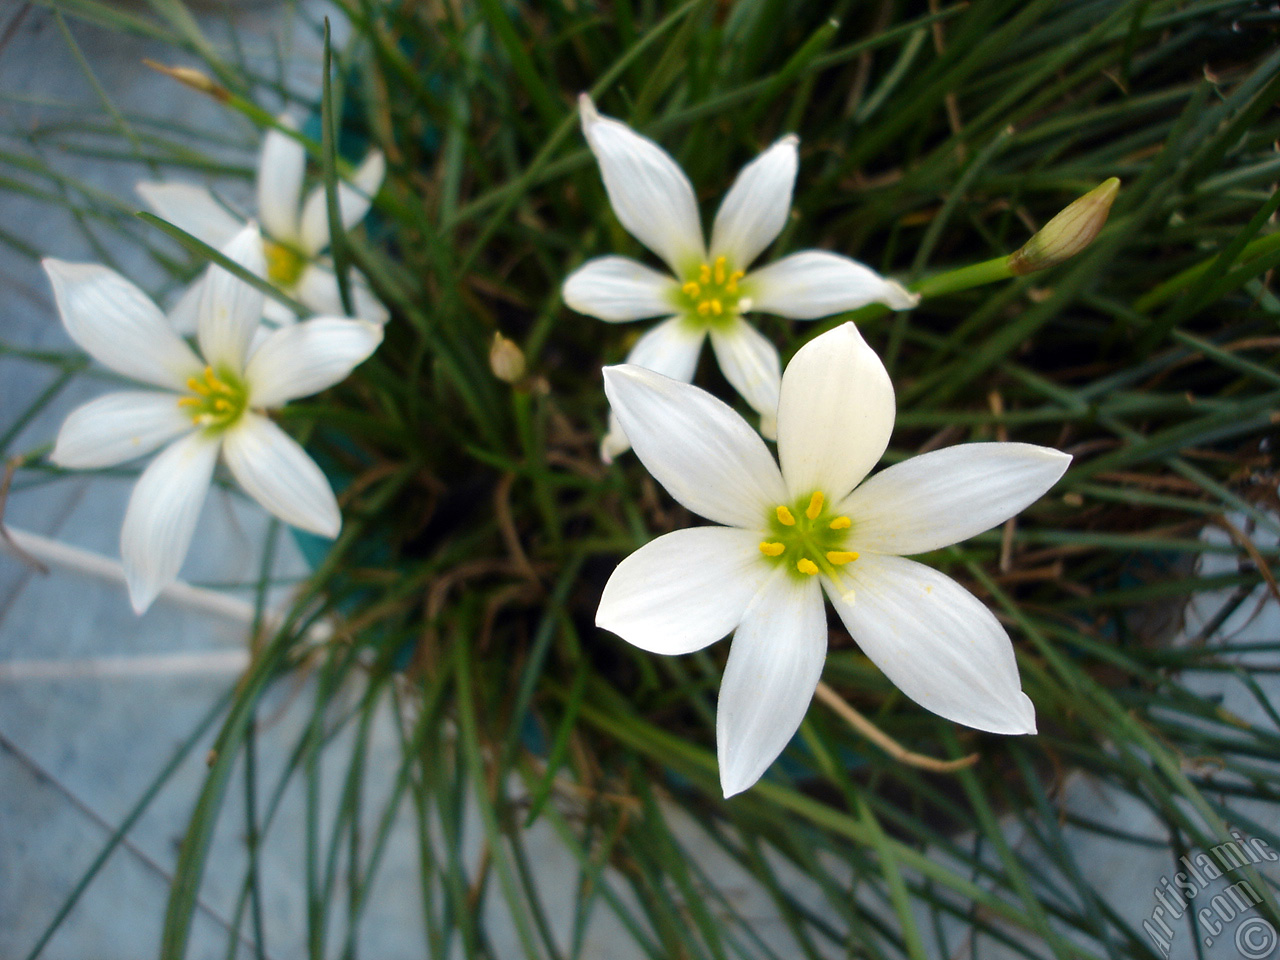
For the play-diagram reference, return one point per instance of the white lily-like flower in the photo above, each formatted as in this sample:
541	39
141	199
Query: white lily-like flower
295	232
815	525
208	404
709	289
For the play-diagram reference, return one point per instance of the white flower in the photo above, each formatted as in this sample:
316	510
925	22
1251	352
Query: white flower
214	404
813	526
711	288
295	233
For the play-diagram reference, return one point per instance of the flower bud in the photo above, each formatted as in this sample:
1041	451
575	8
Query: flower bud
194	79
506	359
1068	233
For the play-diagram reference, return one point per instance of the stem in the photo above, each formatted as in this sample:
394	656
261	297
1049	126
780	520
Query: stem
962	278
883	740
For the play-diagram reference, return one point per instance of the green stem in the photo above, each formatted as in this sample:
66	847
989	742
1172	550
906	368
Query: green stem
952	281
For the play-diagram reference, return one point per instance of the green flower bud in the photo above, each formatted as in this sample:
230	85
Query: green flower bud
1068	233
506	359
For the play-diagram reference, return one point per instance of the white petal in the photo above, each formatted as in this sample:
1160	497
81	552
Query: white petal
814	283
938	644
949	495
750	362
192	208
706	456
118	427
318	289
274	470
354	200
274	314
230	309
305	358
671	348
774	666
684	590
118	325
648	191
619	289
281	166
835	414
615	442
184	315
162	514
367	305
756	207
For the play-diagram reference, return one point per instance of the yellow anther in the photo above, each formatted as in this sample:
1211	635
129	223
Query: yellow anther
732	285
771	549
692	289
841	523
704	308
212	401
717	307
721	263
841	557
705	273
214	382
805	565
815	505
284	264
784	516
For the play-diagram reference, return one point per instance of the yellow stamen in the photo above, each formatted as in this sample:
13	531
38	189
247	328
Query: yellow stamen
732	285
213	401
692	289
841	557
805	565
771	549
815	505
716	307
214	382
704	308
841	523
705	273
284	264
784	516
721	263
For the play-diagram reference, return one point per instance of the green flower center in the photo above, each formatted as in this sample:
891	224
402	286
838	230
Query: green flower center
712	293
216	401
284	264
807	538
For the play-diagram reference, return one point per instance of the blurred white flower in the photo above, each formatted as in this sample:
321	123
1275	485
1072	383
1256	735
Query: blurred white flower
790	534
295	233
711	288
213	404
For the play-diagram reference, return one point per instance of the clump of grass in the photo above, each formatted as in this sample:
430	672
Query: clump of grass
481	525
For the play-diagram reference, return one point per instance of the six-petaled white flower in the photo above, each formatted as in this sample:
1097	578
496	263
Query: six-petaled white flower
207	404
711	288
295	233
814	525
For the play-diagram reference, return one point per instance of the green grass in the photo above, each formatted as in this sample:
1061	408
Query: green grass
930	141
